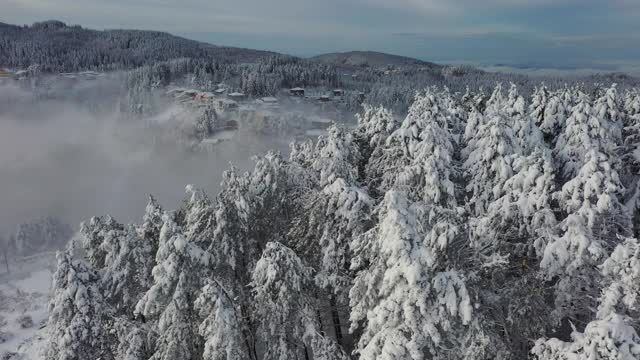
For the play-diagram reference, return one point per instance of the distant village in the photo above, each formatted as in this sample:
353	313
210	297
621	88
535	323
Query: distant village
298	111
307	113
224	100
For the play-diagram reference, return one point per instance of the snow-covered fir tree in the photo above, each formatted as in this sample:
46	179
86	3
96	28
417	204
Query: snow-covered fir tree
221	328
554	117
595	219
613	332
489	164
538	106
575	139
408	307
281	284
79	318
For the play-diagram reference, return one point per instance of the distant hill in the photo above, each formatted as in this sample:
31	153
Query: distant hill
58	47
370	58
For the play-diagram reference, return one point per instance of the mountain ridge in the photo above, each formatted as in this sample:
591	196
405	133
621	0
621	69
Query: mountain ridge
54	45
369	58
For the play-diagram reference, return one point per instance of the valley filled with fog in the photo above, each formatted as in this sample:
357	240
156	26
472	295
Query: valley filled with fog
60	157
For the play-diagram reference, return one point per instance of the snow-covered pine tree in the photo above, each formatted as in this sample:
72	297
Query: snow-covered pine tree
375	124
454	111
429	146
509	241
327	218
79	318
621	272
474	121
130	258
631	103
199	217
175	256
221	328
610	338
407	308
488	165
575	139
597	125
268	193
234	250
177	326
301	153
593	195
334	212
336	156
425	132
176	280
288	326
595	220
496	102
611	335
527	132
152	223
521	221
554	117
606	124
538	105
127	272
434	233
135	342
100	238
630	171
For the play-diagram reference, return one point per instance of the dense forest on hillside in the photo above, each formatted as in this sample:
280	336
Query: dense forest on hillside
57	47
477	227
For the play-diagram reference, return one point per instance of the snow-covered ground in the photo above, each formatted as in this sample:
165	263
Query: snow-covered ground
24	295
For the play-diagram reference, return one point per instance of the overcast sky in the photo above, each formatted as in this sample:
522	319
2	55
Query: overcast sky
564	33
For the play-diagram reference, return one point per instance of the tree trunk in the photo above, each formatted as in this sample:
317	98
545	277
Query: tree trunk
335	317
6	261
306	353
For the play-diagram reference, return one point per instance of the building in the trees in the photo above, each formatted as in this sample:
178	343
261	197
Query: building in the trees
205	96
338	92
297	91
191	93
226	105
321	123
4	73
324	98
175	92
237	96
269	101
21	74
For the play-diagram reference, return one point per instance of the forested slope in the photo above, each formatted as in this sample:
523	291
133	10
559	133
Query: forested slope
57	47
478	227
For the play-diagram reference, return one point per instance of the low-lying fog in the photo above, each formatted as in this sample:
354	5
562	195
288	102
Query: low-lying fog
58	158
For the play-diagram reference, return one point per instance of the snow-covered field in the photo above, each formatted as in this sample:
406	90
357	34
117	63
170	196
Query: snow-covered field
23	307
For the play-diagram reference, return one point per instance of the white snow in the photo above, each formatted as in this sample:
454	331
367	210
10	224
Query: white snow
25	293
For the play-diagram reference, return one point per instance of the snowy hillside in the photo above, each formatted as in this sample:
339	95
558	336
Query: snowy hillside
58	47
24	296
